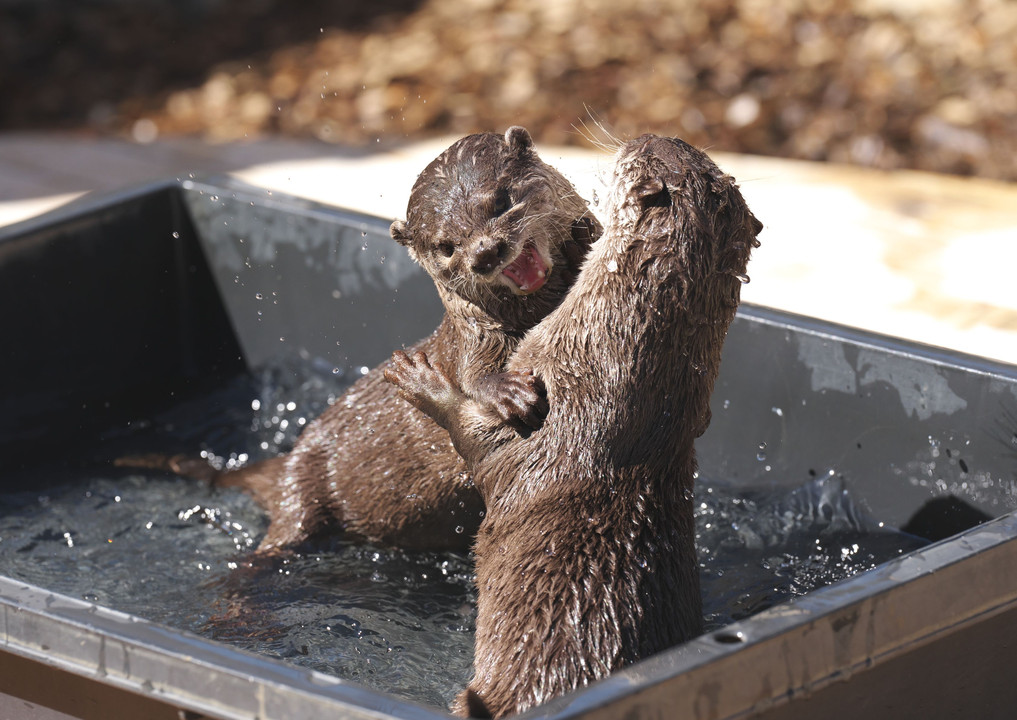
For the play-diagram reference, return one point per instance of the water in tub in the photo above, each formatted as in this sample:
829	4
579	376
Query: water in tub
168	549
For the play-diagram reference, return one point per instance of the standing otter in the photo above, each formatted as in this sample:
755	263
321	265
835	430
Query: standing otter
586	559
502	235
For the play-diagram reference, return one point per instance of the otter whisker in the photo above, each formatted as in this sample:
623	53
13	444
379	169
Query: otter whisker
610	144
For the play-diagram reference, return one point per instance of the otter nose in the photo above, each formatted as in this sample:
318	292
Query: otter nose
486	255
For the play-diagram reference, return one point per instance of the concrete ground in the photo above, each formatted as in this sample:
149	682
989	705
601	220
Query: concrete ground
918	256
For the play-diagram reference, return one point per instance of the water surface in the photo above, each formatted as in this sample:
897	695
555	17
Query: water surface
173	551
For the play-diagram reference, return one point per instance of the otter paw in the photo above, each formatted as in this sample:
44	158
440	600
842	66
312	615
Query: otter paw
423	385
518	397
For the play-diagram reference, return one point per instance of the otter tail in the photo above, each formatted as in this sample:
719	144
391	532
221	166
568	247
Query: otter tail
185	465
260	479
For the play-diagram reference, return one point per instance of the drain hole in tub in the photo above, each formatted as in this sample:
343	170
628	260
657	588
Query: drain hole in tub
729	637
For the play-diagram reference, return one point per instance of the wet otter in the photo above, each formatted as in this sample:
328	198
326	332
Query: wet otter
502	234
586	559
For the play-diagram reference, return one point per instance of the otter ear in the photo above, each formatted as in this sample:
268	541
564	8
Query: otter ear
652	193
400	233
518	139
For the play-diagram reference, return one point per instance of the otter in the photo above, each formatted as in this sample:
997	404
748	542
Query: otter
502	234
586	558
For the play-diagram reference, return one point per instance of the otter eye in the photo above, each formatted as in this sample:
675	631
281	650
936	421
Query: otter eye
502	202
447	249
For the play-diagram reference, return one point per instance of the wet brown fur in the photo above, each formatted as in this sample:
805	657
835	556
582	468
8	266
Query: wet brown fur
370	466
586	559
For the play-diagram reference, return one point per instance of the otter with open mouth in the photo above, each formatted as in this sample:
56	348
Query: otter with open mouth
502	234
586	559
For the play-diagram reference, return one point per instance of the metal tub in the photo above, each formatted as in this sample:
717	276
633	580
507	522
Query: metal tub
124	303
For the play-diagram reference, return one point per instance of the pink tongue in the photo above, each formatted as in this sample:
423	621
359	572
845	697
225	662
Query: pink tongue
528	271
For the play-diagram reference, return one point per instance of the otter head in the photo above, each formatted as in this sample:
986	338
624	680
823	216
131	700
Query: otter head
694	237
490	222
664	187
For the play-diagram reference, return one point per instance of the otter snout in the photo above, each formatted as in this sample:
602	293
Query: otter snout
486	255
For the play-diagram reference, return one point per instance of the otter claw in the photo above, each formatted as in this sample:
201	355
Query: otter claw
519	399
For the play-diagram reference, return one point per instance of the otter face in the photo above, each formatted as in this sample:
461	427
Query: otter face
488	219
487	241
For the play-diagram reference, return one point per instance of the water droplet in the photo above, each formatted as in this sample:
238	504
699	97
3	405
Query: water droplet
176	235
743	278
612	266
459	529
761	455
259	296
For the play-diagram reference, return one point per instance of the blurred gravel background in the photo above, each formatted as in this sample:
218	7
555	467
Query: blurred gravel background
925	84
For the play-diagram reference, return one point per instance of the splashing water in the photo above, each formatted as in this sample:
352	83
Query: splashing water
173	551
759	547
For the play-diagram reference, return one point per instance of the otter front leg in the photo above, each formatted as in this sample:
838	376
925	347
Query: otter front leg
429	389
476	425
426	387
